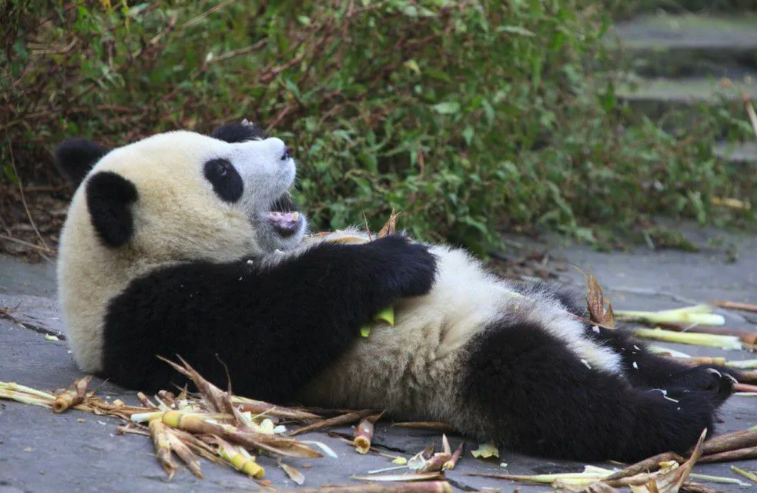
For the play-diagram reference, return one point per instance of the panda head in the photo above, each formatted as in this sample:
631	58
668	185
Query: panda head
183	196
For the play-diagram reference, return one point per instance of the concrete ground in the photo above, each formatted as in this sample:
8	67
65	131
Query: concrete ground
41	452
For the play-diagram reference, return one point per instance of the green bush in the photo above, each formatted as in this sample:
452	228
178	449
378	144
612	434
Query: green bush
465	115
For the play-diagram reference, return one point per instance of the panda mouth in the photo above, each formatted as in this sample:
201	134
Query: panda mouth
283	216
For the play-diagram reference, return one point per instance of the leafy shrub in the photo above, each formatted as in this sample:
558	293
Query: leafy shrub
463	114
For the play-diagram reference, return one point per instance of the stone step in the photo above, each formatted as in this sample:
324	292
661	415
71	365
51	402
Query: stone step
738	153
692	5
654	97
687	45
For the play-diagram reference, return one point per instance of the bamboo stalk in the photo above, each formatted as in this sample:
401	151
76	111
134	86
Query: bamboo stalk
731	455
730	441
427	425
734	305
344	419
646	465
725	342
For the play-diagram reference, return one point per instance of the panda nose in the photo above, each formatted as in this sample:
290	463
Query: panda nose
280	149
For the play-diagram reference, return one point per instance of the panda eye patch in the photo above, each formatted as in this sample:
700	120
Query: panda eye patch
227	183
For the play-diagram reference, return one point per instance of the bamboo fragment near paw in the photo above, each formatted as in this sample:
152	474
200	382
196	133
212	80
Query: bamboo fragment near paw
364	436
71	396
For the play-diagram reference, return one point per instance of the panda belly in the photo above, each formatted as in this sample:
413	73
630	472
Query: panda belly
416	368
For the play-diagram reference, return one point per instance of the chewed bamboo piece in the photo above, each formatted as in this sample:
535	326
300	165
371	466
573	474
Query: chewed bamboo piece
72	396
364	434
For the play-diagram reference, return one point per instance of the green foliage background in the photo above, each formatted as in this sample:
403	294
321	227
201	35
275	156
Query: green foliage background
466	115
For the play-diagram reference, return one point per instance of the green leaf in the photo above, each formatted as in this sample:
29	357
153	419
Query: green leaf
468	134
515	30
447	108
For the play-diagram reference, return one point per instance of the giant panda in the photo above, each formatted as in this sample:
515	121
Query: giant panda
190	244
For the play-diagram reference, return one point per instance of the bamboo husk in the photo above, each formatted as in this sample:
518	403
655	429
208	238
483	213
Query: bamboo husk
291	472
450	464
646	465
217	399
185	454
600	311
162	444
699	488
248	438
261	407
344	419
436	463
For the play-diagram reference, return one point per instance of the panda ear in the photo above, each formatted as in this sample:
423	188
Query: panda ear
109	198
75	157
238	132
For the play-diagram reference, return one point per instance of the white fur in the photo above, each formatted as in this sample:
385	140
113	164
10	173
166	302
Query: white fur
415	366
177	218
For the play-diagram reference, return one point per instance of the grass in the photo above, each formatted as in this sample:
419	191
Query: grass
467	116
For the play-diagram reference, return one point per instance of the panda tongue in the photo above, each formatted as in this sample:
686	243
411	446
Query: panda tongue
283	220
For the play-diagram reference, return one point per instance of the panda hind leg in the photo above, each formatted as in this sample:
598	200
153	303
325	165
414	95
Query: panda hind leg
647	370
528	392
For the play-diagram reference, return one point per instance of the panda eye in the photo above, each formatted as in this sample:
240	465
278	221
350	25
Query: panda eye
227	183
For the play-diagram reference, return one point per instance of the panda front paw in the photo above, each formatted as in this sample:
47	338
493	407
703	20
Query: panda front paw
408	269
715	382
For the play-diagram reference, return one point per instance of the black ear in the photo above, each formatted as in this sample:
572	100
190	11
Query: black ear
238	132
76	157
109	198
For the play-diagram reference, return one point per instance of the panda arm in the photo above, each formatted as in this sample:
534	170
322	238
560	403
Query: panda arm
275	327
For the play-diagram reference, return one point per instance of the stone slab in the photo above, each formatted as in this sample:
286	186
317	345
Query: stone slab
41	452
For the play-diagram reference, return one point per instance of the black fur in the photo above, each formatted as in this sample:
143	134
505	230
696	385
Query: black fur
644	369
275	327
75	157
227	183
109	199
238	132
537	397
